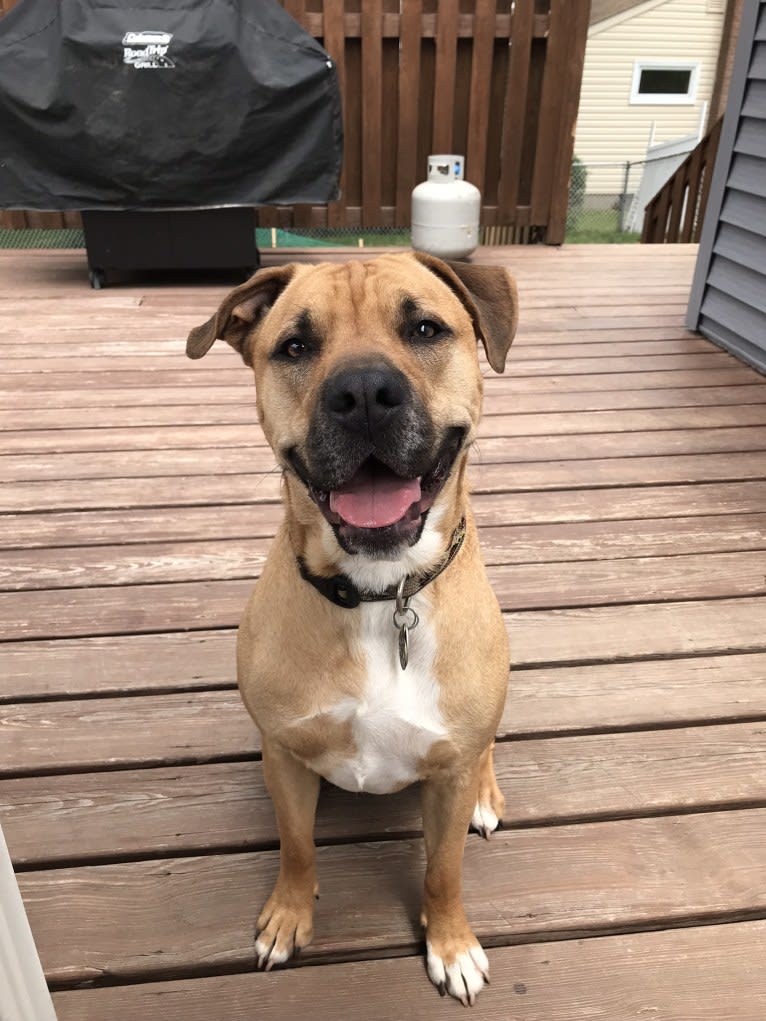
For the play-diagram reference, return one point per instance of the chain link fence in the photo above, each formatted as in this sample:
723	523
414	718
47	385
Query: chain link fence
604	202
280	237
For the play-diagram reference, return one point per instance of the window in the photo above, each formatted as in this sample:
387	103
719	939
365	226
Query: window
664	82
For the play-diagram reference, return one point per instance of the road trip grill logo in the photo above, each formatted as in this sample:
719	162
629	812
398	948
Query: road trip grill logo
147	49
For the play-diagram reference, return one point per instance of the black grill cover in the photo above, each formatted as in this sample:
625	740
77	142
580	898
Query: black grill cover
175	103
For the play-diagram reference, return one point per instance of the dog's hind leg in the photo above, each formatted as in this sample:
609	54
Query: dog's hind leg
490	803
286	922
455	960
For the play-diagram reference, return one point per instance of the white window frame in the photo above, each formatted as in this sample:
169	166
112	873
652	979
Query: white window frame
664	98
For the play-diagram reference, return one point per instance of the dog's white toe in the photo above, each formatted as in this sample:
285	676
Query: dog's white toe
268	955
464	978
484	820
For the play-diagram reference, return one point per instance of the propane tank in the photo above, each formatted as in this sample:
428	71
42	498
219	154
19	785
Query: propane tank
445	210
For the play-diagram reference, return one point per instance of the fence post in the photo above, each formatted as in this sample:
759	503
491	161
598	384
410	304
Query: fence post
624	196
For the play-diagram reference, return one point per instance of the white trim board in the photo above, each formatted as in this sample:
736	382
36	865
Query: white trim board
617	19
24	994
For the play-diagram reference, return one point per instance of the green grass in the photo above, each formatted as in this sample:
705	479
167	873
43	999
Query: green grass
598	227
327	238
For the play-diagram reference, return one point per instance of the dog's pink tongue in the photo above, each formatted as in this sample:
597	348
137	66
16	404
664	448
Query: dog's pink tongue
374	498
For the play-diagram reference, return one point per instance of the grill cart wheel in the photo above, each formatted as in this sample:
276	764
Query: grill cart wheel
97	279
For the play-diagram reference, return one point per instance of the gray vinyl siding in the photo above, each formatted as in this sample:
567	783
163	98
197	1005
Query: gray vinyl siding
728	300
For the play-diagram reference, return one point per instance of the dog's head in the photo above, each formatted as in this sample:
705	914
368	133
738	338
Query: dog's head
368	382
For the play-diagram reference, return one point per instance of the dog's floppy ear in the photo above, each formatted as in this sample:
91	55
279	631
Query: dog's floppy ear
489	294
239	311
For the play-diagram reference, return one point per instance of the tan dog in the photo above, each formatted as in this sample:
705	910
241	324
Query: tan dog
373	652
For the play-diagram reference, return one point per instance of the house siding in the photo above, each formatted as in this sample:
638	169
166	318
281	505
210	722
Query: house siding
612	130
728	299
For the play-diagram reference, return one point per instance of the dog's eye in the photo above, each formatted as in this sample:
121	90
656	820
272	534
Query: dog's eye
427	329
292	349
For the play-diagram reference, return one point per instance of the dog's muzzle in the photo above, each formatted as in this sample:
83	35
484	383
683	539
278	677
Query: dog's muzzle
372	461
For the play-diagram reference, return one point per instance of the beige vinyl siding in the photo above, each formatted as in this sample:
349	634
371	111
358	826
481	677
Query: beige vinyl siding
612	129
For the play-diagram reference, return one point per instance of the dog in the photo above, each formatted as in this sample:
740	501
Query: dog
373	652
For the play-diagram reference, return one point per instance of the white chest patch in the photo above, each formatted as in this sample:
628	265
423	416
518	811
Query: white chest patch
397	719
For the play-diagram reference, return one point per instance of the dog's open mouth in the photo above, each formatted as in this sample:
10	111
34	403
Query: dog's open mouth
375	497
380	507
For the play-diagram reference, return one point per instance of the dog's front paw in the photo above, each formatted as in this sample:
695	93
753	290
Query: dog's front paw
485	820
489	808
284	928
457	966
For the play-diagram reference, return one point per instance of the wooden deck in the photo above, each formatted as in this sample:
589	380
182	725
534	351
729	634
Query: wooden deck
621	488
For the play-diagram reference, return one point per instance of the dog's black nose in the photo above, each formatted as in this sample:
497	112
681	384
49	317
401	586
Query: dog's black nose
366	399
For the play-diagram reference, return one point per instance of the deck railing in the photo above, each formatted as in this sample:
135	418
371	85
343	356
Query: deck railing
676	213
499	83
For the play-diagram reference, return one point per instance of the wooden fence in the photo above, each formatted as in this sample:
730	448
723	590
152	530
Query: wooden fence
494	80
676	213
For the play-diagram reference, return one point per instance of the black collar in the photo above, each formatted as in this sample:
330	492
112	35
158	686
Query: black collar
343	592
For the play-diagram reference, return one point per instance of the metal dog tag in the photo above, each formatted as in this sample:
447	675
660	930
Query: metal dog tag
404	645
405	618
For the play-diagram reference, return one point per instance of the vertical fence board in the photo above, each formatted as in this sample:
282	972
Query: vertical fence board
497	82
709	154
295	8
334	40
372	112
444	84
410	45
693	173
576	33
478	107
554	84
389	129
677	194
515	109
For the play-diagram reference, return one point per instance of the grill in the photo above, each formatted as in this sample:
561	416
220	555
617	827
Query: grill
165	124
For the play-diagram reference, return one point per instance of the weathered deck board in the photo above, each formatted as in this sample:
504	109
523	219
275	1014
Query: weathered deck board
204	726
186	381
135	813
182	605
199	490
216	405
140	437
138	563
706	973
629	432
539	638
184	916
168	483
620	488
157	353
673	507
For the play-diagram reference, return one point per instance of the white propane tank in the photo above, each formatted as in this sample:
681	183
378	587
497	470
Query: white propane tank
445	210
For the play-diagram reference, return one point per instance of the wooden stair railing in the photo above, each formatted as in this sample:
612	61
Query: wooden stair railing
676	213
